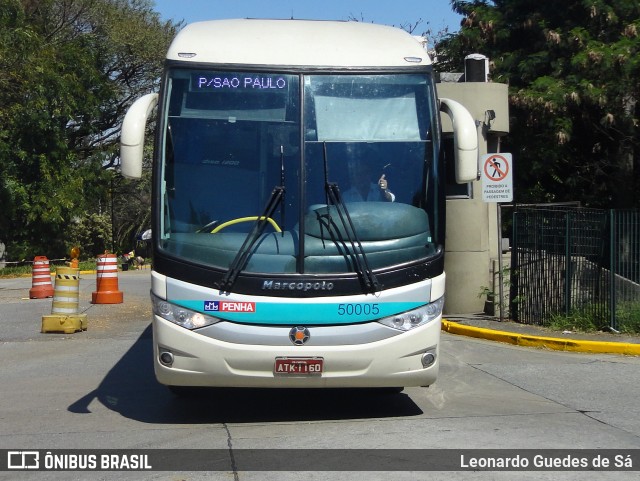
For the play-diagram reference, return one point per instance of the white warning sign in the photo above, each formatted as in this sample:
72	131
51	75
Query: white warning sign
497	181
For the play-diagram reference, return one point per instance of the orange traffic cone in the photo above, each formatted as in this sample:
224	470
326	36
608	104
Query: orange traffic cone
107	281
41	286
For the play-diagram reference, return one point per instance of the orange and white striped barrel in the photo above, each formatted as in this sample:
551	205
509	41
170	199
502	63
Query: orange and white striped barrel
107	281
66	292
41	286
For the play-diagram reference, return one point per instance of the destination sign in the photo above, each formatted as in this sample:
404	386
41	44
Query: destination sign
228	82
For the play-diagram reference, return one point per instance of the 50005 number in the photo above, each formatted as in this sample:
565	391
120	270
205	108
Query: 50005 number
358	309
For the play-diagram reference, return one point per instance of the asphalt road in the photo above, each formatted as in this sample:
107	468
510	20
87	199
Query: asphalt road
96	390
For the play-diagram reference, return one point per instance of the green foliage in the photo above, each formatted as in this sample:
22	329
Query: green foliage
16	271
628	316
26	269
584	319
92	233
577	320
572	70
132	214
69	69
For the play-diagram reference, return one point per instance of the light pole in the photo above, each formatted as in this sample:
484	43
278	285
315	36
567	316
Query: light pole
113	224
112	174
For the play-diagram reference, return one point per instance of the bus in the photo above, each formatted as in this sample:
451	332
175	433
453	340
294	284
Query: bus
298	205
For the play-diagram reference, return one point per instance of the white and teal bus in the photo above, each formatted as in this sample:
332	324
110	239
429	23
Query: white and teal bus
298	205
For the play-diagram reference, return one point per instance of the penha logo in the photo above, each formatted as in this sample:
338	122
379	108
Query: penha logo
229	306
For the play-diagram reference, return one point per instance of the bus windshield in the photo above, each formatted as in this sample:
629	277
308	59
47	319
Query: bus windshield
299	173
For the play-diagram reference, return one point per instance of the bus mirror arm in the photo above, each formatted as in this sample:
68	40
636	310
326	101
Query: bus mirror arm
132	135
465	140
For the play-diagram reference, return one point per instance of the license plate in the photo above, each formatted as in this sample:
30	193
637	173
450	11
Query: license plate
298	366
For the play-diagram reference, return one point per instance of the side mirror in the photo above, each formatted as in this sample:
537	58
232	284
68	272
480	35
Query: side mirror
132	135
465	140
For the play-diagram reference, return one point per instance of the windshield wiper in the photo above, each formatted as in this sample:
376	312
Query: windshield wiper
358	254
242	257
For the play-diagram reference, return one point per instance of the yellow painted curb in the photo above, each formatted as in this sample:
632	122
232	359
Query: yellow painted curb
546	342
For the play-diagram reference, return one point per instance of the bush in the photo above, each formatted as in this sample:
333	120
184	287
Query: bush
584	320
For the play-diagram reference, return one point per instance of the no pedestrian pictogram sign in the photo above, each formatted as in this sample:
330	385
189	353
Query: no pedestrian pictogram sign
497	184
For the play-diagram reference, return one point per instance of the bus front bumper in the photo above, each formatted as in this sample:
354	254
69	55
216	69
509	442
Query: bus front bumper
186	358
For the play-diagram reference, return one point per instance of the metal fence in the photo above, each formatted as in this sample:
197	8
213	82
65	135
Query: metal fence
575	261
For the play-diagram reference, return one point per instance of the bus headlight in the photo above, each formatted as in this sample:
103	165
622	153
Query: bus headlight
417	317
181	315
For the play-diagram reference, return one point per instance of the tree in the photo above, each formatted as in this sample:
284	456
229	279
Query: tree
69	69
572	71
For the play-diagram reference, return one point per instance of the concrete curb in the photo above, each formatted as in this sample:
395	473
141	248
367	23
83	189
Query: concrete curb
542	342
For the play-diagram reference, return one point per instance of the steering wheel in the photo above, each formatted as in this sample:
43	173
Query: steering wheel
247	219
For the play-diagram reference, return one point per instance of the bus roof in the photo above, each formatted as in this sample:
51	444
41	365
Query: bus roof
298	43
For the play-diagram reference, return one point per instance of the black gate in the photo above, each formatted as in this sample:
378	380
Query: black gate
574	260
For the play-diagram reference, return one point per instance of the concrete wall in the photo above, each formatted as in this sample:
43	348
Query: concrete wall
472	232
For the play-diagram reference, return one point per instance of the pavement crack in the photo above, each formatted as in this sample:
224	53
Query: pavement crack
232	457
587	413
584	412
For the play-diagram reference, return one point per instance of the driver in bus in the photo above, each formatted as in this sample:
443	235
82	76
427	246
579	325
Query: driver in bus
362	188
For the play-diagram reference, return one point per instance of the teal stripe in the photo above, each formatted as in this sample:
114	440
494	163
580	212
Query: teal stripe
308	313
